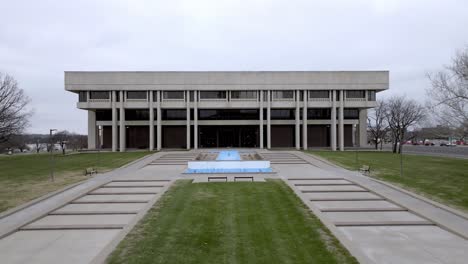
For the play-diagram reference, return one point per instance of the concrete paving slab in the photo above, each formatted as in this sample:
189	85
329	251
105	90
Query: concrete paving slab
115	198
342	196
100	208
357	205
131	190
323	188
408	244
52	221
371	217
54	246
320	182
135	184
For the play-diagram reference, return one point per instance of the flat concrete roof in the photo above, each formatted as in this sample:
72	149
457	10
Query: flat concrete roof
226	80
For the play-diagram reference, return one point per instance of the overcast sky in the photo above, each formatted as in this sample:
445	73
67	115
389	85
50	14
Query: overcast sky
39	40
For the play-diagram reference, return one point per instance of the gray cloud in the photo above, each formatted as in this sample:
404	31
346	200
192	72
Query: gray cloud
41	39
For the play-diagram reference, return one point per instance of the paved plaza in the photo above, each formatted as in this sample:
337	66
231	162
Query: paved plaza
376	222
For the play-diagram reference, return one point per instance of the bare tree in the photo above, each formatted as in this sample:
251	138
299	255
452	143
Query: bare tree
449	94
377	123
62	138
401	115
13	114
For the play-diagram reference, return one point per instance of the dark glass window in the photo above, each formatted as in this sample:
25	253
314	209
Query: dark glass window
351	113
244	94
356	94
140	95
371	95
99	95
192	96
280	114
228	114
104	115
82	96
319	94
173	95
136	114
283	94
212	94
318	113
174	114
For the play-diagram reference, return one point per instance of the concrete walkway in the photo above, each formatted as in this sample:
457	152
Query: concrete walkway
377	223
85	223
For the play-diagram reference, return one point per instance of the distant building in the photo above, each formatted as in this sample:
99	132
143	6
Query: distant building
157	110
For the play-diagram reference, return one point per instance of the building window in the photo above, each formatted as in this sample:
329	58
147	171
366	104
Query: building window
192	96
228	114
137	95
136	114
356	94
243	94
213	94
351	113
281	114
318	113
104	115
174	114
283	95
319	94
99	95
82	96
371	95
173	95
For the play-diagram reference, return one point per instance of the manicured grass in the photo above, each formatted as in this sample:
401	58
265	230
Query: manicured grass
25	177
230	223
439	178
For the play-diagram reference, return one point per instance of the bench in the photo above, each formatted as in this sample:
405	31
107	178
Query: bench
218	178
90	171
365	169
243	178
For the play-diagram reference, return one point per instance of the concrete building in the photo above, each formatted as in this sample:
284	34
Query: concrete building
157	110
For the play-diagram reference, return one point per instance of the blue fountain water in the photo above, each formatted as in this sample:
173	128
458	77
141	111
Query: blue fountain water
228	155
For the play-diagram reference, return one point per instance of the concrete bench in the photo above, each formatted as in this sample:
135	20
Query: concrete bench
218	178
244	178
90	171
365	169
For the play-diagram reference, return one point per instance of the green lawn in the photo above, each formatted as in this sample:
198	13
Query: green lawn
25	177
441	179
235	222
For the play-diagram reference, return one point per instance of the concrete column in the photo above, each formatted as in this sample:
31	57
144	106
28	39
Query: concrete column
151	121
91	129
333	122
362	128
195	119
298	121
269	120
304	121
158	120
187	94
341	122
114	121
122	122
261	119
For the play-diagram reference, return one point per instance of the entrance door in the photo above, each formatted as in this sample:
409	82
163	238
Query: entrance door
228	138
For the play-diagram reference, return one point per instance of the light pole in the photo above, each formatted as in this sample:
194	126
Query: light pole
52	155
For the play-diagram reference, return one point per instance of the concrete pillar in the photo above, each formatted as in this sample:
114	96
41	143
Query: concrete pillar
158	120
261	119
362	128
298	121
333	122
269	120
187	94
341	122
304	121
123	129
195	119
91	129
114	121
151	121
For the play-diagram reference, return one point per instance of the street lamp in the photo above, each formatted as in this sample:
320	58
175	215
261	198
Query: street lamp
51	155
